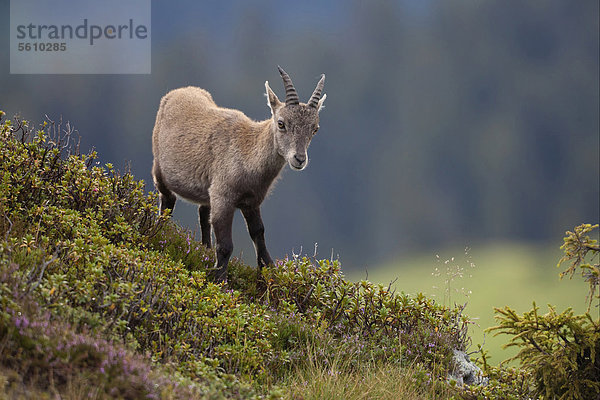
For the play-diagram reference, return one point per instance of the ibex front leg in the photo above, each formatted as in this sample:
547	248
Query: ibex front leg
256	230
221	217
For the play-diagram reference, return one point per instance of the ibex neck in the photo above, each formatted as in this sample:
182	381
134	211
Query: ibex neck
269	159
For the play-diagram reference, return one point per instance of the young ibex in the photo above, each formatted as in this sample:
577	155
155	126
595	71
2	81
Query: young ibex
222	160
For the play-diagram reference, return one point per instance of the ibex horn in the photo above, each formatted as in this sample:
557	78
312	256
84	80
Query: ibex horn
291	96
316	96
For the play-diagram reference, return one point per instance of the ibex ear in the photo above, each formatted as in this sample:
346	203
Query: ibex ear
321	102
272	100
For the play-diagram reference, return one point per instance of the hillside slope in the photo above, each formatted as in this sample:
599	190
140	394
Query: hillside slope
100	297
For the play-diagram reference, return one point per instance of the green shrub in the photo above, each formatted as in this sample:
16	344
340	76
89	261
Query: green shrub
581	250
560	351
360	315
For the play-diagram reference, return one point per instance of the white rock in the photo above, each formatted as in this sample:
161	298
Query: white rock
465	372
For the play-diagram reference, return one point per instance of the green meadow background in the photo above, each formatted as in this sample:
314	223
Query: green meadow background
496	274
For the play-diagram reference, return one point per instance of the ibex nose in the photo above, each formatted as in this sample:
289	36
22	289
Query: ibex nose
300	158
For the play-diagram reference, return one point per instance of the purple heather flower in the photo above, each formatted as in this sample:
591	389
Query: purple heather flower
21	322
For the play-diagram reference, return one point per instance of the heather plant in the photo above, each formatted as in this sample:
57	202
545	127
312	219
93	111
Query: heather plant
560	350
52	353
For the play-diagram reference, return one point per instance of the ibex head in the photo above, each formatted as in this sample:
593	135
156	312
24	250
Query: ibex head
295	123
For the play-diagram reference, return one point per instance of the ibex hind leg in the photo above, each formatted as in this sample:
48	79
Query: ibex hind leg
204	218
166	197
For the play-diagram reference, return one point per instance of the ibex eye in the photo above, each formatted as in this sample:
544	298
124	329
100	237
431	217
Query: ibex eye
281	125
316	129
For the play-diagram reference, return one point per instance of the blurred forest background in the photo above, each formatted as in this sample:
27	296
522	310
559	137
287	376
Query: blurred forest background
447	123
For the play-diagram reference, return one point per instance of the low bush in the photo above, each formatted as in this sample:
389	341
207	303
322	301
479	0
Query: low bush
560	351
365	320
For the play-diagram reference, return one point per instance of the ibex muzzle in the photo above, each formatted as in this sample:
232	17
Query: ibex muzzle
222	160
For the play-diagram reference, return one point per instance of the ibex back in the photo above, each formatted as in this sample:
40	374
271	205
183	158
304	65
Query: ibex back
221	160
